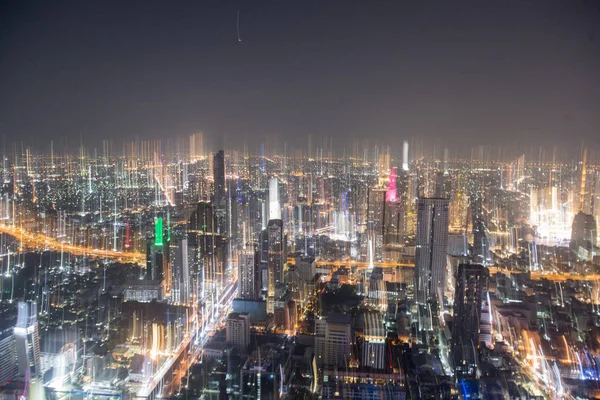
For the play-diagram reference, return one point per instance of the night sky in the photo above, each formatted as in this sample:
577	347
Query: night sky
490	72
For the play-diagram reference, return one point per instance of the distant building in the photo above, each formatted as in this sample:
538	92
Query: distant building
143	291
430	257
583	232
27	341
237	331
471	287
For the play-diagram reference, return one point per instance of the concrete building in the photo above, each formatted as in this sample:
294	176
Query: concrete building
27	341
333	340
249	283
237	331
430	257
471	288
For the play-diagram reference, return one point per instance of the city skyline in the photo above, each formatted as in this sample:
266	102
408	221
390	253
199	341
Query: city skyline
311	200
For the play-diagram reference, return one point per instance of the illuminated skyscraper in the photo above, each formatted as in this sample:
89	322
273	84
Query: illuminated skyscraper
248	275
180	292
471	287
27	341
405	156
220	193
276	258
8	355
430	257
274	204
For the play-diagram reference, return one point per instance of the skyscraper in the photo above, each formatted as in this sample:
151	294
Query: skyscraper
27	341
481	244
237	331
220	193
430	257
583	232
471	286
276	258
7	354
274	204
181	287
248	274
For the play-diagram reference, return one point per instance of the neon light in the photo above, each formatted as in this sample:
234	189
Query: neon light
390	195
158	232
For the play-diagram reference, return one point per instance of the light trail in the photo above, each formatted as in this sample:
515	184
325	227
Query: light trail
38	241
535	275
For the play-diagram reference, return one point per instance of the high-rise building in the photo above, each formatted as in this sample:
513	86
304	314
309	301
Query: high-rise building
274	203
375	209
333	340
181	286
220	193
481	244
471	288
248	275
27	341
373	348
237	330
583	232
157	254
276	259
8	355
430	256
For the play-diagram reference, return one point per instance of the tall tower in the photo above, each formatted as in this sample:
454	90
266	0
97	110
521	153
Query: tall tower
274	204
471	286
430	257
181	285
275	259
27	341
248	274
220	194
405	156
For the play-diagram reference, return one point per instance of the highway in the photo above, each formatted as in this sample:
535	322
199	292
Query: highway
40	242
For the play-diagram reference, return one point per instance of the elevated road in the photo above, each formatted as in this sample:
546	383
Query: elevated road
535	275
41	242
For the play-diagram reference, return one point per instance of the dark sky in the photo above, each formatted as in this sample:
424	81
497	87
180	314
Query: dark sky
467	72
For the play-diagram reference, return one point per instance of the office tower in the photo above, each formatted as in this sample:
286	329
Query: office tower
8	355
373	349
27	341
220	192
275	258
481	244
181	287
248	275
375	209
274	204
237	331
405	156
157	254
202	219
583	232
333	340
430	256
471	287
